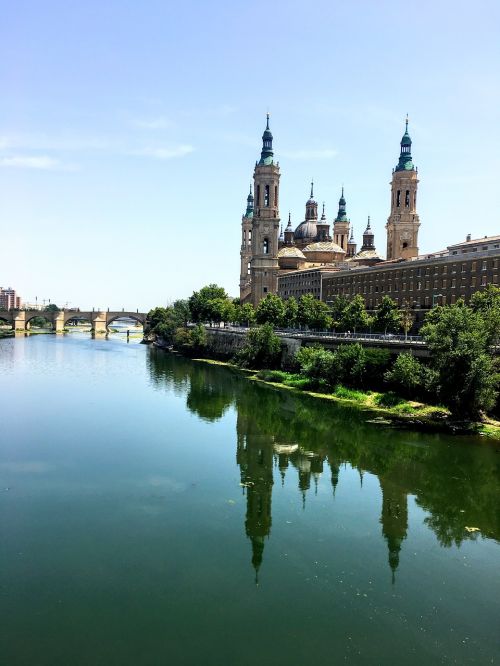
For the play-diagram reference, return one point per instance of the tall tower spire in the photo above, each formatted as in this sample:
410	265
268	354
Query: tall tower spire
403	222
266	156
341	224
265	222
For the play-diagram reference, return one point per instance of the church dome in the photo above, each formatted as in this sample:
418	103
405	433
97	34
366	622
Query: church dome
324	246
290	252
306	230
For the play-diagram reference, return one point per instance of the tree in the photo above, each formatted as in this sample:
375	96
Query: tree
51	307
387	316
290	313
313	313
164	322
355	315
181	307
262	349
406	374
338	308
406	318
467	377
200	302
270	310
245	314
487	304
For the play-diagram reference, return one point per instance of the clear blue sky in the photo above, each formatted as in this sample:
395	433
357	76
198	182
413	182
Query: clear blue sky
129	131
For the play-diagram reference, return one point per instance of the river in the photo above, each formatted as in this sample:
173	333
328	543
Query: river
156	510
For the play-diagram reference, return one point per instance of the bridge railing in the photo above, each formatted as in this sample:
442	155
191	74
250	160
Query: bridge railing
388	338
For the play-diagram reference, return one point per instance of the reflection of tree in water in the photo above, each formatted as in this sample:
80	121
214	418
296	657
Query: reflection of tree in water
208	397
456	482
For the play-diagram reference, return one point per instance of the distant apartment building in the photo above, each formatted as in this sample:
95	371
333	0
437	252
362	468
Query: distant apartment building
8	299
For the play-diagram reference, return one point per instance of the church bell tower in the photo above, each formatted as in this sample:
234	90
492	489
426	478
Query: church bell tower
265	222
246	249
403	222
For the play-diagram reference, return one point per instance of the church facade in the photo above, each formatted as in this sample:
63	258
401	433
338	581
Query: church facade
267	254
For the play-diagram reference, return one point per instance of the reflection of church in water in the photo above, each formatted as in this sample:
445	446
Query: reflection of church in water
257	454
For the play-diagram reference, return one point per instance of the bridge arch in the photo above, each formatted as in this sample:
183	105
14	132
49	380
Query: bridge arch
81	316
115	316
48	316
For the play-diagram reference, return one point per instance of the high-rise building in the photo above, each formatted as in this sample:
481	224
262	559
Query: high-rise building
9	300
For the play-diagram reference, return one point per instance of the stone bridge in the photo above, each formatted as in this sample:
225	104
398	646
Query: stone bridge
99	320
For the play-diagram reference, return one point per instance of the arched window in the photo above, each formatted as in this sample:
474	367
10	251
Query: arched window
415	201
265	246
407	199
248	268
398	198
266	196
276	196
257	196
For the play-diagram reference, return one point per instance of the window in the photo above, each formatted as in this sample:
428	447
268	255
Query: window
266	197
483	281
453	283
407	199
265	290
474	265
485	265
473	282
248	268
265	247
463	268
276	196
398	198
257	196
419	285
249	235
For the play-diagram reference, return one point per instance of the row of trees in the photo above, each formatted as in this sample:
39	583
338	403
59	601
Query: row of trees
211	305
462	374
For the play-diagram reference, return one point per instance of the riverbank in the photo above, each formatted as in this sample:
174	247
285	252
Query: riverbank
405	413
6	334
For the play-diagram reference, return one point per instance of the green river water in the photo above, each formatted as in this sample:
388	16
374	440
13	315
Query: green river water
155	510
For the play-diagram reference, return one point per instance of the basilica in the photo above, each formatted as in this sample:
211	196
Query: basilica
269	252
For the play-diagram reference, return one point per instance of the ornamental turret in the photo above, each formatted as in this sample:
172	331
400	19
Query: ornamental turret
403	222
368	238
288	235
323	227
341	224
351	245
265	222
312	206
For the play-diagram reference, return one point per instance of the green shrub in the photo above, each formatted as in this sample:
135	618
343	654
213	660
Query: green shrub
272	376
262	349
299	382
406	374
350	394
389	399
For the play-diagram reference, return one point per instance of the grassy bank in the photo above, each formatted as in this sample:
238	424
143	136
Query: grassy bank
380	408
6	334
